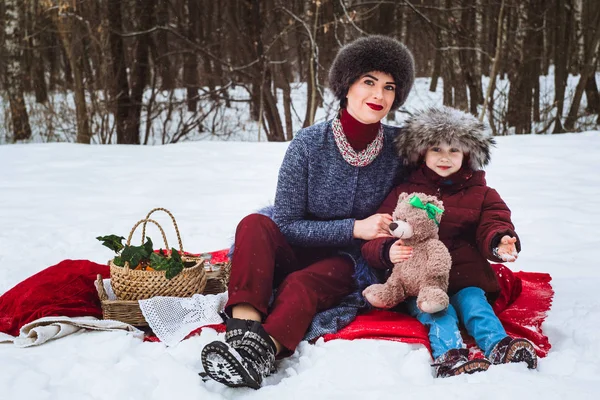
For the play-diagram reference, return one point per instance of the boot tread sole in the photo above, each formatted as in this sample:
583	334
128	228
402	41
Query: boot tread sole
521	350
218	353
469	367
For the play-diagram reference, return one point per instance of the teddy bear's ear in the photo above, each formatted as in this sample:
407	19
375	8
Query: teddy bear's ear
402	196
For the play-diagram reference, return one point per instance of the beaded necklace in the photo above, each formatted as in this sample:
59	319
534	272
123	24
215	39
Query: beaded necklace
362	158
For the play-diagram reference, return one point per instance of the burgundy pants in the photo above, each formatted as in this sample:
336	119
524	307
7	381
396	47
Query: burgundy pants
308	280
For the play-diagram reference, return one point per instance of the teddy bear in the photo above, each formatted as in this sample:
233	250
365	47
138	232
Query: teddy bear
424	275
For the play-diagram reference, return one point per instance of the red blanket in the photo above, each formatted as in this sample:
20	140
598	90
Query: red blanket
65	289
68	289
524	300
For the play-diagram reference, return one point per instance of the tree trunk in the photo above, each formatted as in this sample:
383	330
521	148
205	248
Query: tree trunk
13	73
161	44
591	57
593	98
458	60
284	76
66	24
252	22
312	78
522	75
489	96
207	33
471	78
561	57
437	60
190	71
538	55
590	10
274	129
38	72
140	71
120	86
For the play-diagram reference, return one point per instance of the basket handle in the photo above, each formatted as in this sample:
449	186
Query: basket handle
146	220
174	224
100	288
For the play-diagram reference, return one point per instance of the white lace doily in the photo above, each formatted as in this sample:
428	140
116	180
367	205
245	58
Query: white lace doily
173	318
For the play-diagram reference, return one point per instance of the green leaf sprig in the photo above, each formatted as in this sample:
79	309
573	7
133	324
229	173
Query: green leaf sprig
144	255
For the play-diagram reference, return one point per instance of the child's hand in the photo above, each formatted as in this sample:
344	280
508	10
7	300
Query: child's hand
376	226
399	252
507	250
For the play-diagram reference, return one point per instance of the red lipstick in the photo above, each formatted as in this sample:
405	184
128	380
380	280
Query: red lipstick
375	107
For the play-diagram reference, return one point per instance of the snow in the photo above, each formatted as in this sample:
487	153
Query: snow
56	198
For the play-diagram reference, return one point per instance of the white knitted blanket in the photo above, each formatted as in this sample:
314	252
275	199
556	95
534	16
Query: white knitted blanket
170	318
50	328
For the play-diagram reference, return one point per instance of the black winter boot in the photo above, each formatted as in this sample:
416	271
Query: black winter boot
236	328
456	361
510	350
245	359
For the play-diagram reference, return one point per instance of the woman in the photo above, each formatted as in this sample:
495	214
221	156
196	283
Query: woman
333	178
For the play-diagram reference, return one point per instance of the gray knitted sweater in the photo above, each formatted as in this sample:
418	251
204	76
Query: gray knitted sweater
319	195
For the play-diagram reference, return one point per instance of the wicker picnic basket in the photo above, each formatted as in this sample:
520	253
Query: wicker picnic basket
128	311
217	278
129	284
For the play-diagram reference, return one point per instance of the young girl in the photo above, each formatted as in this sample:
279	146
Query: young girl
446	150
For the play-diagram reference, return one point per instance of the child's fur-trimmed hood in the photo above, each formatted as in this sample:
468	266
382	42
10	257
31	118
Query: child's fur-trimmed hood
443	124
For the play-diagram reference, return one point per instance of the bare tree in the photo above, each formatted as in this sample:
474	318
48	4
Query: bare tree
66	20
591	58
561	53
159	46
495	66
13	80
38	26
120	84
190	65
523	66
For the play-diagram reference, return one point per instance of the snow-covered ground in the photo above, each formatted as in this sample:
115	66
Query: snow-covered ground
56	198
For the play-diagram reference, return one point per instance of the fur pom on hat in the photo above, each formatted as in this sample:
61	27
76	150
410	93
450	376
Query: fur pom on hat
444	125
372	53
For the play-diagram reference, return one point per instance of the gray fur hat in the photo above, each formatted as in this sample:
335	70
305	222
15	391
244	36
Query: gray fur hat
372	53
444	125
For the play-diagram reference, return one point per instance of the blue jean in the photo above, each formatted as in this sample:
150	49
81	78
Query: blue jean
469	306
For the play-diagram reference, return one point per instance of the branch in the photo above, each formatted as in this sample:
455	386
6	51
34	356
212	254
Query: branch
477	49
351	19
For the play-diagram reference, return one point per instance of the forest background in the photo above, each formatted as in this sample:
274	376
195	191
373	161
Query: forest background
164	71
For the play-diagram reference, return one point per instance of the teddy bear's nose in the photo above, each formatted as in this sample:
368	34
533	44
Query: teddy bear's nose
393	226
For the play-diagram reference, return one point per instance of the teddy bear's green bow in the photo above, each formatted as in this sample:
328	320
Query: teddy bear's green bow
431	209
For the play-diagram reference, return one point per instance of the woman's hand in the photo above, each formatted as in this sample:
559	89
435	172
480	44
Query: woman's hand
376	226
399	252
507	250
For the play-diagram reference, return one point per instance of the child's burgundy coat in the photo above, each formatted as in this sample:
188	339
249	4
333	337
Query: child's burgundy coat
474	220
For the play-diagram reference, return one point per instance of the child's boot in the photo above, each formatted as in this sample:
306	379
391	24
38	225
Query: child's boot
510	350
456	361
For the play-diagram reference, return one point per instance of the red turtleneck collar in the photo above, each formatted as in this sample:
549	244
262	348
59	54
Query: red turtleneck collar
359	135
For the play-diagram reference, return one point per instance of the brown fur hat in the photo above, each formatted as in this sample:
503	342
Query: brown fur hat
443	124
372	53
